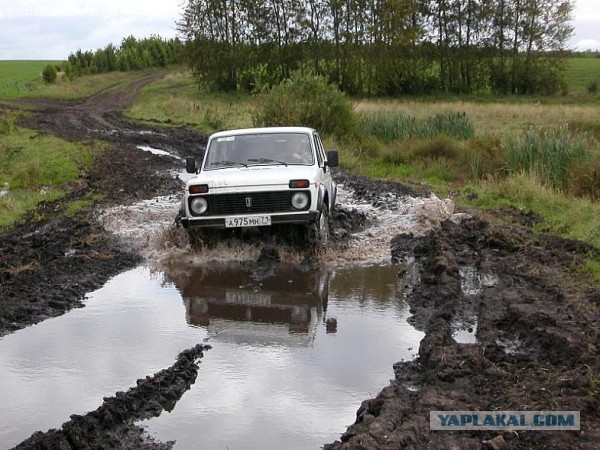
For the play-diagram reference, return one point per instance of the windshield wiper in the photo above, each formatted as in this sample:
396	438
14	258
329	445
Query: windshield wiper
266	160
227	163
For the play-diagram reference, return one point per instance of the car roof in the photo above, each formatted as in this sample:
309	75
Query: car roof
265	130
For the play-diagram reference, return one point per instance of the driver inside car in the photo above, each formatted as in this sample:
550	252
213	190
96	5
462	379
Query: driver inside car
299	150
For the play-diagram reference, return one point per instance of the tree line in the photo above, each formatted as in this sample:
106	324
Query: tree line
132	54
381	47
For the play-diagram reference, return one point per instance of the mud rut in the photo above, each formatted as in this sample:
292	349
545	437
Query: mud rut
532	330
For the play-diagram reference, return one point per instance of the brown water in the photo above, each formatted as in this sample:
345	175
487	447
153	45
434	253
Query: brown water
294	353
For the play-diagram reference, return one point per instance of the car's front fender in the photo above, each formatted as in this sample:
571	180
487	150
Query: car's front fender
322	193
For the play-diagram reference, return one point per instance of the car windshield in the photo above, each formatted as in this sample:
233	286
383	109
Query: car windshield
259	149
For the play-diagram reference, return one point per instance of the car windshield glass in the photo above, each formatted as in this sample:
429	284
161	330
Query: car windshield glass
259	149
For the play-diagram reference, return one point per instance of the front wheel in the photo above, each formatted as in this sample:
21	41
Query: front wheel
318	232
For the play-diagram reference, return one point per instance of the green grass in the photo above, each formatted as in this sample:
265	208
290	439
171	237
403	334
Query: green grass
176	100
76	206
16	204
35	168
389	127
548	156
575	218
20	79
581	72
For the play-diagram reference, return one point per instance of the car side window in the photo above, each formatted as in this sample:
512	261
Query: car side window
320	151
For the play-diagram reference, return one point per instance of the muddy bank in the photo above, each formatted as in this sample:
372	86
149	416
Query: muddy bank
111	425
535	348
51	259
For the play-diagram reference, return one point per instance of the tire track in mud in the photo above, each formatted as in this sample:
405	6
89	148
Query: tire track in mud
48	262
46	267
112	424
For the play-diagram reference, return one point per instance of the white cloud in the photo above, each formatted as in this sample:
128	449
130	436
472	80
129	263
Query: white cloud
586	34
588	44
51	29
587	10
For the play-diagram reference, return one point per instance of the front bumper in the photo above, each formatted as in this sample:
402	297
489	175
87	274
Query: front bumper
219	222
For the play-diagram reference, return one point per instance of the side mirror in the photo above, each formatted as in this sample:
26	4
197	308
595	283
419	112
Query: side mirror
190	165
332	158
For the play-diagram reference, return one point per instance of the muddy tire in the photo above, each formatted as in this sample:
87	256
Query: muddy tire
318	232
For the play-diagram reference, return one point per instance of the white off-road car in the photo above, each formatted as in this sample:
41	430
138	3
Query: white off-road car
259	177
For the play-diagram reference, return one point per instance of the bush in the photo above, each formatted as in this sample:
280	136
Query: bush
547	155
592	87
388	126
396	154
394	126
457	125
307	100
49	73
7	124
584	178
483	157
438	148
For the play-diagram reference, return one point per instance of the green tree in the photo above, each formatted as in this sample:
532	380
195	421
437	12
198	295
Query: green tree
49	73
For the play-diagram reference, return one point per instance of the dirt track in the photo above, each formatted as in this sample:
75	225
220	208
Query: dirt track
536	328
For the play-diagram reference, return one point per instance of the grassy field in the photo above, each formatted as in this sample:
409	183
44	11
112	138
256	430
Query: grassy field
581	72
23	79
28	175
491	118
19	77
34	167
177	99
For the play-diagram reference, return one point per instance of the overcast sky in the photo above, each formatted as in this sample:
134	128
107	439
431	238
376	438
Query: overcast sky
52	29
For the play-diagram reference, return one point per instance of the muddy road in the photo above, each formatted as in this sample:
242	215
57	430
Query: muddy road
486	314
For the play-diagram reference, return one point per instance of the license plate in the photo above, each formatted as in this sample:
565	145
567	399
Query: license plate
252	221
247	298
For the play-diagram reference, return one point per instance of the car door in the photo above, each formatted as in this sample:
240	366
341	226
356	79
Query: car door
325	172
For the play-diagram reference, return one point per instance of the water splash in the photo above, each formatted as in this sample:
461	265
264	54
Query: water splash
157	151
149	226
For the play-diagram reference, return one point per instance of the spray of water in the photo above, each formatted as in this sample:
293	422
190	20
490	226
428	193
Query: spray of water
149	227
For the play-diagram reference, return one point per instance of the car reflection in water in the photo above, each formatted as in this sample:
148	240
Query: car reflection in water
284	308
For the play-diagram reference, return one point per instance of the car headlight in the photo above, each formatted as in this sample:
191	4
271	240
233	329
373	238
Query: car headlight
300	200
199	205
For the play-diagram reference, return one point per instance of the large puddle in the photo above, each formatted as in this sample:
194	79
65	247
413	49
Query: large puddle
294	353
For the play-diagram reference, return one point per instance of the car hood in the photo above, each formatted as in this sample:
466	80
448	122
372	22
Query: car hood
241	177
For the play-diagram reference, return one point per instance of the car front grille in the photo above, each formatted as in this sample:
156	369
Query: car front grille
260	203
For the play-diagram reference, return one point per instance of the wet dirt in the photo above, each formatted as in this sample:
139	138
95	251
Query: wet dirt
49	262
534	346
508	323
111	425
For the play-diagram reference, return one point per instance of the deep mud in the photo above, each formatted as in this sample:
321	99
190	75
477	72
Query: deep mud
513	291
536	340
49	261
